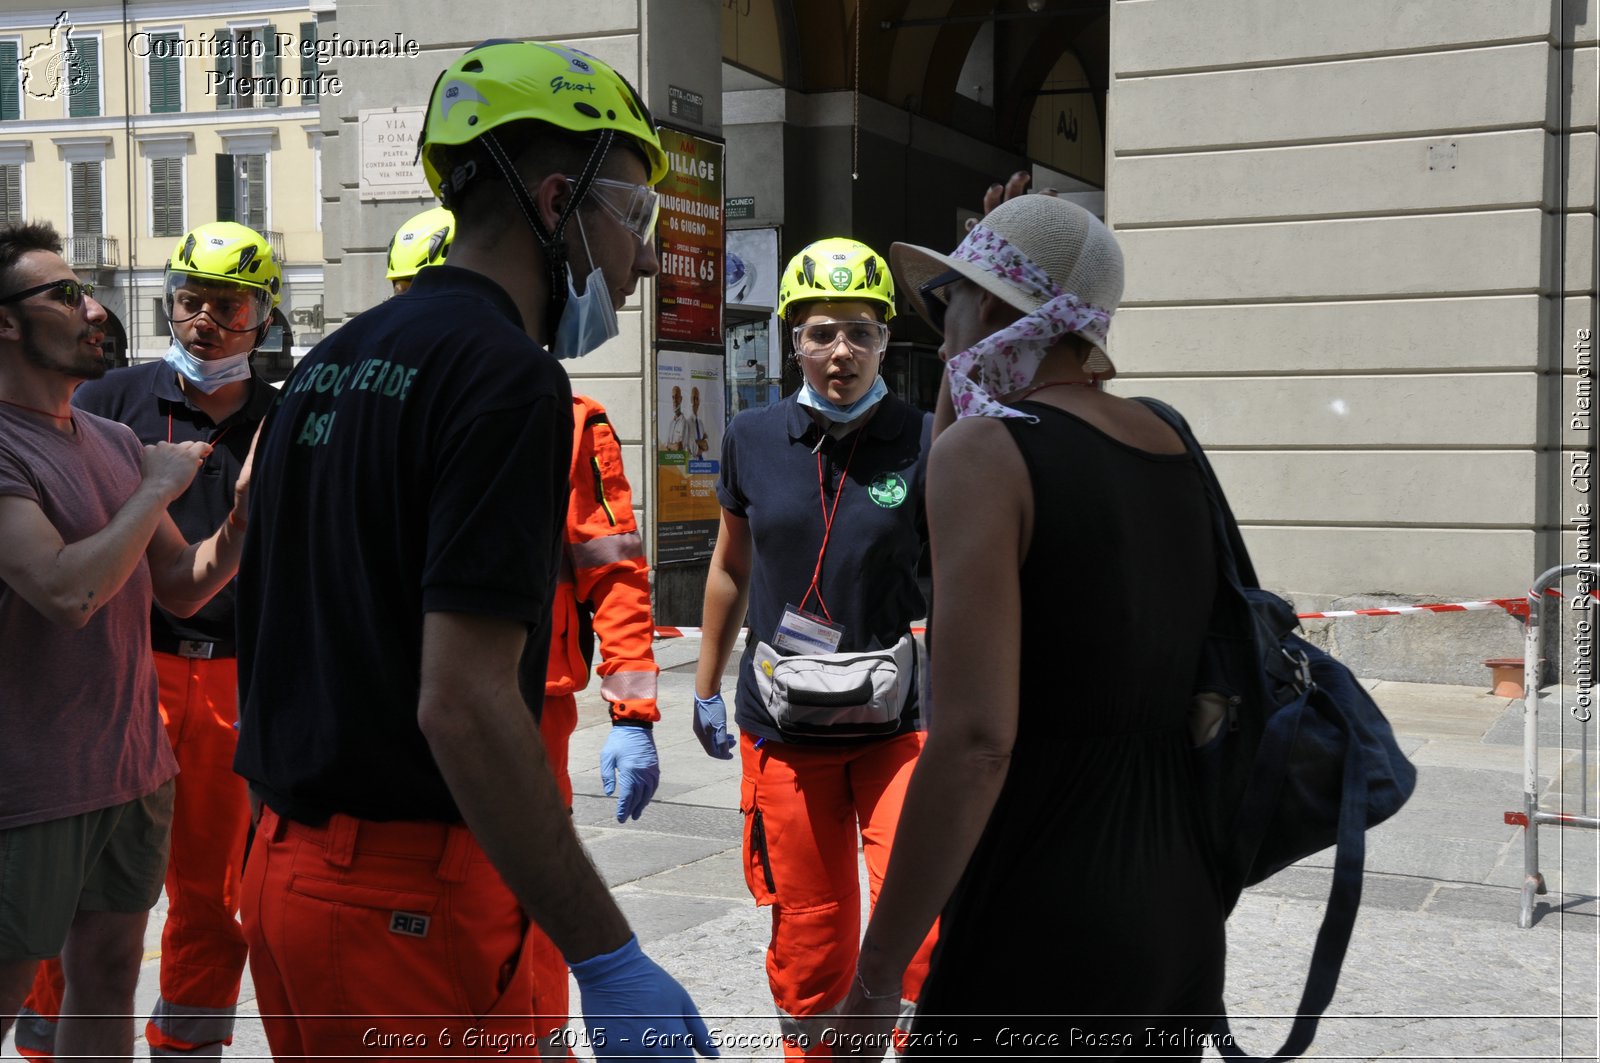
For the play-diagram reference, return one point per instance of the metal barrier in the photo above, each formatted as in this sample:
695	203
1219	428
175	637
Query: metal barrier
1531	818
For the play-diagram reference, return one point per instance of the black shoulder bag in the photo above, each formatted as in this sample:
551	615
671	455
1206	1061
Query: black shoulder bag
1302	757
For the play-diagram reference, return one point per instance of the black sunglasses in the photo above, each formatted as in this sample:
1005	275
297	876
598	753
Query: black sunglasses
72	293
933	303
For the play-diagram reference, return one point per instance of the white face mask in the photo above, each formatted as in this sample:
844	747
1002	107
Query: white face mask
810	396
207	376
588	320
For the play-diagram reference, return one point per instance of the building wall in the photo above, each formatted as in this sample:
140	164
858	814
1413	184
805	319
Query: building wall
1359	238
127	135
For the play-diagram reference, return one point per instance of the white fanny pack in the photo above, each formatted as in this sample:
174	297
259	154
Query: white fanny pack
837	695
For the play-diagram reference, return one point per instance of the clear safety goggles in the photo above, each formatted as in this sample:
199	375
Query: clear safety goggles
635	206
233	307
817	339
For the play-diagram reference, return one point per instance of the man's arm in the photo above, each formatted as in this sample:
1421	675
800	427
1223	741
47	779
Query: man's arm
186	575
69	582
488	749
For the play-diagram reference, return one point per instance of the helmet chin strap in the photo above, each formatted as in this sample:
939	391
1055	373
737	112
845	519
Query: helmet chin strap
552	242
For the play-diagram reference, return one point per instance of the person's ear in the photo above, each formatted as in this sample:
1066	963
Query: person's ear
10	324
550	196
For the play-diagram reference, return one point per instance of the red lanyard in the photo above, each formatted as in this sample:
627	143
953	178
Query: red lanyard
827	523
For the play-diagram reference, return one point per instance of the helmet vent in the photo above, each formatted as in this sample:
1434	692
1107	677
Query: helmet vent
611	116
588	109
472	119
473	66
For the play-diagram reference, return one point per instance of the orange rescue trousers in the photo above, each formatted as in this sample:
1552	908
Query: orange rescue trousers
202	945
384	940
802	808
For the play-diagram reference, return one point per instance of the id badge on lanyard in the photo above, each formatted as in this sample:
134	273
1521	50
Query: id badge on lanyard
800	631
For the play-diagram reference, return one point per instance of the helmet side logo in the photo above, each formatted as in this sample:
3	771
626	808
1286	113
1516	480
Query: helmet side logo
577	62
560	84
458	92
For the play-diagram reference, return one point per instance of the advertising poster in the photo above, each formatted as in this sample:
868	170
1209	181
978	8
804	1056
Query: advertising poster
690	416
752	271
689	233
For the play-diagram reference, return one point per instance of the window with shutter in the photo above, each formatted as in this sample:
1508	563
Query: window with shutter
270	97
166	196
10	92
227	210
244	69
84	67
224	82
87	219
253	185
308	62
165	91
10	194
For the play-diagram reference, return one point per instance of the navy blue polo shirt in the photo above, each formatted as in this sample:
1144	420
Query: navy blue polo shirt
877	474
417	462
147	399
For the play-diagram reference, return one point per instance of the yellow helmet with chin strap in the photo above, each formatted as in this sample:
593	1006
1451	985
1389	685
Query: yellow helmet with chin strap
225	254
424	240
837	268
502	81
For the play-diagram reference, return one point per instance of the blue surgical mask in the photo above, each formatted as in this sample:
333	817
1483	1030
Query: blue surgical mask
207	376
588	320
810	396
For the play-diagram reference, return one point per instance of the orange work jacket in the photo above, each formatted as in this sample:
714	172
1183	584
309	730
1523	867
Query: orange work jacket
604	590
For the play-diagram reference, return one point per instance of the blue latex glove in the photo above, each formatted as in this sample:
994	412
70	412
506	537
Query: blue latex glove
629	769
632	1008
711	726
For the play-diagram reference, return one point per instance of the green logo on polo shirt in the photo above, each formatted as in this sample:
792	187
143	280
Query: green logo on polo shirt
888	490
840	279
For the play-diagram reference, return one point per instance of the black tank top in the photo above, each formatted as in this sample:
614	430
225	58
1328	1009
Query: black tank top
1091	892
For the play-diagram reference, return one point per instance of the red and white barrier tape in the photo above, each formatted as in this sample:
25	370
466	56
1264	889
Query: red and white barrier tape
1513	606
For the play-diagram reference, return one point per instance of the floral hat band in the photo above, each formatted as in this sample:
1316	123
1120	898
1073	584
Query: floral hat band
1007	360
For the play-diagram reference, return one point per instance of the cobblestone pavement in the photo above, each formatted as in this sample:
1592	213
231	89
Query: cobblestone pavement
1437	969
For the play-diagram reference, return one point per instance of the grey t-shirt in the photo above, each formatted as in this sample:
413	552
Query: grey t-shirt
79	724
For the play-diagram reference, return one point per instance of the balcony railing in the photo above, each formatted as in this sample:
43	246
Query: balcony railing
93	252
274	241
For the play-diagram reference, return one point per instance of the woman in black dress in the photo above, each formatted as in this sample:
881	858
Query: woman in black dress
1052	818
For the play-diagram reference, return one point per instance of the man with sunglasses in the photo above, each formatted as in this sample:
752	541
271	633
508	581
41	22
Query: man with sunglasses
221	285
86	545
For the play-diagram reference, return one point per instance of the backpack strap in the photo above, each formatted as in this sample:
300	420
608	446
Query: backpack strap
1266	780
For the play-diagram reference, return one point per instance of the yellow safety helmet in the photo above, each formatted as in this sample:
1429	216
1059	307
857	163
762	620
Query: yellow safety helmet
837	268
503	81
424	240
227	254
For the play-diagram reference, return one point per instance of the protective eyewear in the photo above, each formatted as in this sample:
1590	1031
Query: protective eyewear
635	206
933	299
817	339
70	293
232	307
